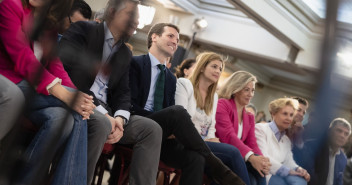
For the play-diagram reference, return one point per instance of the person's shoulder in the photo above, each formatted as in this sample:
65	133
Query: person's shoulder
224	101
185	82
83	26
262	126
13	6
139	59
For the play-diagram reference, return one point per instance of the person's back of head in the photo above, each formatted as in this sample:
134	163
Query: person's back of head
82	7
99	16
121	16
183	70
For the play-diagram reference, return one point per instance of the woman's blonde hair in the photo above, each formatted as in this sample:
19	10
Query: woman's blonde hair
276	105
235	83
202	61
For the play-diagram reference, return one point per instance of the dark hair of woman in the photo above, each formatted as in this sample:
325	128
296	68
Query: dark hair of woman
52	13
186	64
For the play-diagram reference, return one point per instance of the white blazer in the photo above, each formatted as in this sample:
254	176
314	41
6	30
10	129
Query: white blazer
279	153
185	96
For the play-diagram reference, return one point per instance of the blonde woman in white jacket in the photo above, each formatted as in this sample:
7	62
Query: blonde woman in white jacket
274	143
197	95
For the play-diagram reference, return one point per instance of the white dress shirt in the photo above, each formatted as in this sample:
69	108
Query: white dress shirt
332	157
149	105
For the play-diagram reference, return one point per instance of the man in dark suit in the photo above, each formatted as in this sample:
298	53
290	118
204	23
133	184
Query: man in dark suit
325	161
153	89
97	60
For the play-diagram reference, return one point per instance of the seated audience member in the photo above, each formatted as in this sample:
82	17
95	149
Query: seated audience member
295	132
235	126
197	95
80	11
97	59
99	16
47	89
251	108
260	117
11	103
274	143
310	132
327	164
153	89
347	174
185	68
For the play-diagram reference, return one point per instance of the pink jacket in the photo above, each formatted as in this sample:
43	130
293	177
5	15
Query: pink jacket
17	59
227	127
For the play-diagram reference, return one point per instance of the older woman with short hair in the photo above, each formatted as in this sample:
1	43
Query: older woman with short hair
274	143
235	126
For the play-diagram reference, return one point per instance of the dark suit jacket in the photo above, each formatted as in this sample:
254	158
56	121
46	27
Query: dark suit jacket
317	163
140	77
81	49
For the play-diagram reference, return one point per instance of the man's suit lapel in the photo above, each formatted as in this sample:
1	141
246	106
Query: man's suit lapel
147	75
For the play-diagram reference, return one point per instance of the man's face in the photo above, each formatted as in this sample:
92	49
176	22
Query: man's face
302	109
339	135
167	42
125	21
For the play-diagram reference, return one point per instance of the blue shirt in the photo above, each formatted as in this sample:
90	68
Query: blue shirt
100	85
283	170
149	105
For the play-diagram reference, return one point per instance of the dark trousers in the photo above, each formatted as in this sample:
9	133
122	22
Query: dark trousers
187	152
190	162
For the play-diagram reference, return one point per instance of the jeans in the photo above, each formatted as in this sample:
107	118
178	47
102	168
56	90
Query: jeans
288	180
62	134
230	156
254	176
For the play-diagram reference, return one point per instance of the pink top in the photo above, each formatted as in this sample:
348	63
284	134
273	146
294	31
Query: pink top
17	59
227	127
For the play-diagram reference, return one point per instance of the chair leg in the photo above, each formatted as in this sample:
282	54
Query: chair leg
101	169
166	178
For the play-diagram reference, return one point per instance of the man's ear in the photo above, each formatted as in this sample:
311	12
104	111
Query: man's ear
112	12
154	35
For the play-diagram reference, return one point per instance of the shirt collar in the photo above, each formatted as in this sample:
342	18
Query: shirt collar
154	61
108	34
334	154
276	130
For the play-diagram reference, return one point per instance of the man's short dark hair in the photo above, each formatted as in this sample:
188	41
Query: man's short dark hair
301	100
82	7
159	30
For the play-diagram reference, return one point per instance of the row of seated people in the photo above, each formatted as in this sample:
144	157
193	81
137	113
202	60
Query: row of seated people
310	143
99	98
136	100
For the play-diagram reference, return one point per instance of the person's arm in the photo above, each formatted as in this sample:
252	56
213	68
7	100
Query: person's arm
264	146
347	175
76	60
17	46
251	140
212	129
225	129
184	90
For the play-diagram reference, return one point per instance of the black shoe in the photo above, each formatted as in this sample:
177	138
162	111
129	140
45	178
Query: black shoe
220	173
